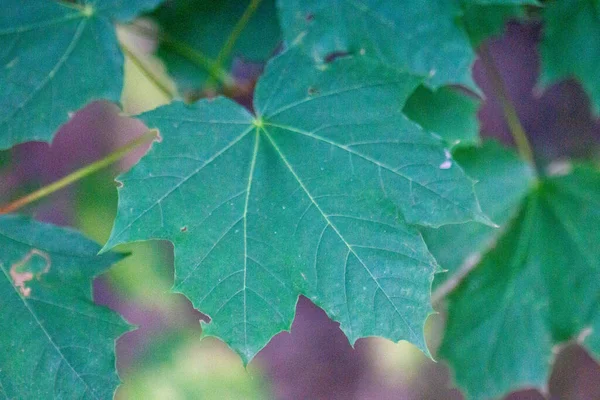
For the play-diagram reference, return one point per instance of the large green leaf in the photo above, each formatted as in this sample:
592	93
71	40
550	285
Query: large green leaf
312	196
571	44
55	343
197	29
55	58
503	181
540	286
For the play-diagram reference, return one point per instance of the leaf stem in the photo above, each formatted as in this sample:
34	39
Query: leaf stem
237	31
80	173
186	51
149	74
510	113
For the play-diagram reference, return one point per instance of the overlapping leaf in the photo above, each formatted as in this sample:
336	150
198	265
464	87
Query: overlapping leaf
447	112
570	47
56	57
503	181
419	36
314	195
195	34
54	342
540	286
427	38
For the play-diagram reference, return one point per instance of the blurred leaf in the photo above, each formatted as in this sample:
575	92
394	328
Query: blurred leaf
96	209
203	27
312	196
55	342
447	112
538	287
484	22
57	57
571	44
179	366
503	181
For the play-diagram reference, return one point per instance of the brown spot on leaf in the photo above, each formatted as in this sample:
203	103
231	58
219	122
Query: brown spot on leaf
183	229
28	268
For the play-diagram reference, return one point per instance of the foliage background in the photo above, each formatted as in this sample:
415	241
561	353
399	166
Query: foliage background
164	358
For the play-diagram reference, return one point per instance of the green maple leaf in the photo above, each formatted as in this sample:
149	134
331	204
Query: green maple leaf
538	287
194	33
55	342
314	195
503	181
570	47
55	58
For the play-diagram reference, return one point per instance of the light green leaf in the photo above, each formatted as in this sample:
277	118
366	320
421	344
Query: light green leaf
55	58
55	342
503	181
312	196
447	112
424	37
540	286
570	47
199	29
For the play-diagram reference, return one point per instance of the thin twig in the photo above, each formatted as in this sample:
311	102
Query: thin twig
80	173
510	113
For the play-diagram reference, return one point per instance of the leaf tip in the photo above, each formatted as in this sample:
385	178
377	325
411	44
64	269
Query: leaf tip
485	220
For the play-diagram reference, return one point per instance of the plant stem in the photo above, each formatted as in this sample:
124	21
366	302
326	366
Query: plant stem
233	37
237	31
149	74
510	114
80	173
186	51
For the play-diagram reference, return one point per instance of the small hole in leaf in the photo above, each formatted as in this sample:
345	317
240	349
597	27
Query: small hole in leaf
335	55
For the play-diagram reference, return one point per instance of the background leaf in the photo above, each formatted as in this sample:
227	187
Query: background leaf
420	36
447	112
55	58
537	288
55	342
570	47
503	181
312	196
193	29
